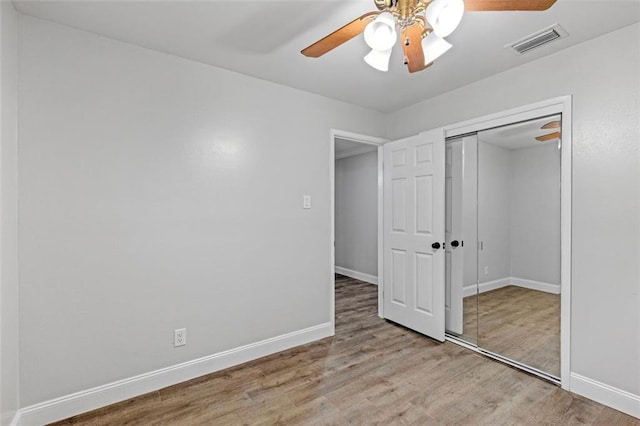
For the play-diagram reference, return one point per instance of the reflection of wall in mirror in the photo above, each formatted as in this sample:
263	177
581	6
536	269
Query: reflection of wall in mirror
494	176
519	217
535	214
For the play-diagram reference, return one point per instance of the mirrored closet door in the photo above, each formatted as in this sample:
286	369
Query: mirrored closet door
503	242
461	245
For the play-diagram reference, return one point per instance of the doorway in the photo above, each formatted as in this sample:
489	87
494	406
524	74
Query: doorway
356	200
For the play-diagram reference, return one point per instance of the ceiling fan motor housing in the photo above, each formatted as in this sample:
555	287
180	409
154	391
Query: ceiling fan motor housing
385	4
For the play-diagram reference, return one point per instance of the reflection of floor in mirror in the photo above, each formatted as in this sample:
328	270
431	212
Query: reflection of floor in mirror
517	323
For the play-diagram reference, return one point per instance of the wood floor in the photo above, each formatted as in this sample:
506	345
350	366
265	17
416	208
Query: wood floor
517	323
370	372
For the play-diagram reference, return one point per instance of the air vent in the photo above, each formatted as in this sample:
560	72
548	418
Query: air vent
538	39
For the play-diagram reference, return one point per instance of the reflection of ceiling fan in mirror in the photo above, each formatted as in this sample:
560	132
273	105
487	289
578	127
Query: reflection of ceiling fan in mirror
550	136
422	25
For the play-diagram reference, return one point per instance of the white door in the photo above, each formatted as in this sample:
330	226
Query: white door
414	205
454	265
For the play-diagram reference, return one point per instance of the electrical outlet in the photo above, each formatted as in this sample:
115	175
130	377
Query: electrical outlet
179	337
486	270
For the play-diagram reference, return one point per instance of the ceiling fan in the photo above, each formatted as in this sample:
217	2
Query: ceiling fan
556	124
422	24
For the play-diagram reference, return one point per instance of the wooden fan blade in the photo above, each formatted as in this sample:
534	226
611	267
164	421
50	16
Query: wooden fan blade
339	36
550	136
412	47
497	5
551	125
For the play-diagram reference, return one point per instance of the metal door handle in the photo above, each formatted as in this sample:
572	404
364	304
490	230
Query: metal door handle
455	243
435	246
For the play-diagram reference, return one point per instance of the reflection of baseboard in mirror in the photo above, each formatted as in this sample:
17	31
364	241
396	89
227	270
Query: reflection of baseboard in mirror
470	290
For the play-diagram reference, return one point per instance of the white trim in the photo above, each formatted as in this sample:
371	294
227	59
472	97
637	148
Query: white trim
565	240
515	115
560	105
357	137
16	419
380	231
619	399
91	399
370	140
332	230
535	285
470	290
368	278
355	151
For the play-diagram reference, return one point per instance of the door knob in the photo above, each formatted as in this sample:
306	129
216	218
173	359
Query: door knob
435	246
455	243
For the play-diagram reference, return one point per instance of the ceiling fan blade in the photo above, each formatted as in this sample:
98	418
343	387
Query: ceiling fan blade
550	136
551	125
412	47
339	36
497	5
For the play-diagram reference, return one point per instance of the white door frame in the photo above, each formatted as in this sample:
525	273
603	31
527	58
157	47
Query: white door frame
369	140
560	105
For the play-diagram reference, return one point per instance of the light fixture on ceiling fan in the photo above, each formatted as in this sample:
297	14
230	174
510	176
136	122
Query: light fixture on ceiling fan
422	24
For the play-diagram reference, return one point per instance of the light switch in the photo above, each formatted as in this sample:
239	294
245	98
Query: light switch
306	201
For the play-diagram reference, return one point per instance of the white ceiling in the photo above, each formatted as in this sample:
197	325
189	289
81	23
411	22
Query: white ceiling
346	148
519	135
263	38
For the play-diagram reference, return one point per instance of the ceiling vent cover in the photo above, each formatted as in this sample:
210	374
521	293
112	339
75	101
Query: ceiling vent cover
537	39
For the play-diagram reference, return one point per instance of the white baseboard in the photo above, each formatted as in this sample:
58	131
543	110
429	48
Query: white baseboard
15	421
519	282
91	399
488	286
608	395
372	279
536	285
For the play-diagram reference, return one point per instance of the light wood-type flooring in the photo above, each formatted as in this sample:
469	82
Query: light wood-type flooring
370	372
517	323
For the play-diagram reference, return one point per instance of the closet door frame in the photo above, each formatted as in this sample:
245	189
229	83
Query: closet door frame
560	105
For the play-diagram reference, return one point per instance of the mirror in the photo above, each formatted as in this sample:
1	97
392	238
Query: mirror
518	258
461	303
502	250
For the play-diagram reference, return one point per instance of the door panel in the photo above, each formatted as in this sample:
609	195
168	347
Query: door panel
424	203
414	220
399	277
424	272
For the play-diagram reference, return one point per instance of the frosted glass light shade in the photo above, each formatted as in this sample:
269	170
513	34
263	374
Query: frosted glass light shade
380	34
434	47
444	16
379	59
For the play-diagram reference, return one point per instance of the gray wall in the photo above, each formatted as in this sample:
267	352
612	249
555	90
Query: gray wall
535	213
158	193
8	213
519	212
356	216
605	309
112	218
494	177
